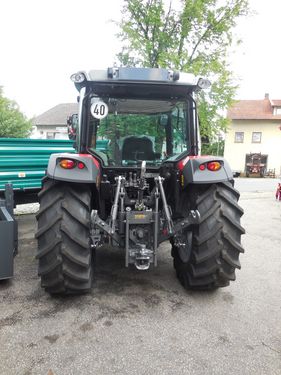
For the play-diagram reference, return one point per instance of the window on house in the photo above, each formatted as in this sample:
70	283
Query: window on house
277	111
239	137
256	137
50	135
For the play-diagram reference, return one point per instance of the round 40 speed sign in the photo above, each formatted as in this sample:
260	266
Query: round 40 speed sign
99	109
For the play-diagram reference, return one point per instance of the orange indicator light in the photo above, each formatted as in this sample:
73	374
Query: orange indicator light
214	166
67	163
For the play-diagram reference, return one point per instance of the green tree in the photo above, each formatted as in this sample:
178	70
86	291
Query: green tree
214	148
13	124
194	37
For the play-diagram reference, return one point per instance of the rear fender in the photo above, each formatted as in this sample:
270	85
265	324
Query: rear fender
191	174
89	174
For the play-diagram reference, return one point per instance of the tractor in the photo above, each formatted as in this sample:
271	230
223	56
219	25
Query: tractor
255	164
137	179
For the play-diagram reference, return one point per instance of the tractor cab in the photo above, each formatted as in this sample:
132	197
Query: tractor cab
143	114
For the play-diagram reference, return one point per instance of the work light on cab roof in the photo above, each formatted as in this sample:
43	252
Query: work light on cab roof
77	77
142	74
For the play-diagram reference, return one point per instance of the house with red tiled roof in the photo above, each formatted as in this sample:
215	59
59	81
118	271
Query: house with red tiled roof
255	128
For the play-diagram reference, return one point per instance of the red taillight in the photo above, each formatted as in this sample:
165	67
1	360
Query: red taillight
182	163
202	167
214	166
67	163
81	165
88	156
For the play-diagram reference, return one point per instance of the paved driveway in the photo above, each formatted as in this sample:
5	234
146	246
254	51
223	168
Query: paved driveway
145	322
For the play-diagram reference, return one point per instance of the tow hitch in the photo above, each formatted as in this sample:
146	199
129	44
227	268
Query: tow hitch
138	225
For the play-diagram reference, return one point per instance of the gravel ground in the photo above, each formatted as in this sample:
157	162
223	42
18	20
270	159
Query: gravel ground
145	322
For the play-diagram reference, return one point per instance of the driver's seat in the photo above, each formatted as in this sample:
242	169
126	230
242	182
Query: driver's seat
138	148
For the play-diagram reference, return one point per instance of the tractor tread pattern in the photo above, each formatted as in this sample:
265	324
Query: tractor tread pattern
216	240
64	253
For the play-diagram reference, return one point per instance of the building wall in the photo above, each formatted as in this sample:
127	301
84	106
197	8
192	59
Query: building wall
235	153
50	132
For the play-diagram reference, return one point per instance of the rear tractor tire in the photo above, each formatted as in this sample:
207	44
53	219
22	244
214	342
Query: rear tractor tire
64	252
216	241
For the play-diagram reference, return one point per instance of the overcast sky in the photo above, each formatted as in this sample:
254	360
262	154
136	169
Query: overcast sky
44	42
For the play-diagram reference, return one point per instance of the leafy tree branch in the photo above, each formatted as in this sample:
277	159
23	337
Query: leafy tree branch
194	37
13	124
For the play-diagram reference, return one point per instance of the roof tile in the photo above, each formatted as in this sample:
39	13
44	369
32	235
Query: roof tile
276	103
253	110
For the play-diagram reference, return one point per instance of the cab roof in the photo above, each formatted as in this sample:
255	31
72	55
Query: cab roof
139	82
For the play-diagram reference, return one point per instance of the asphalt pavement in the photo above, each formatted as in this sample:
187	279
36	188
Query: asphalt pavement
256	185
141	323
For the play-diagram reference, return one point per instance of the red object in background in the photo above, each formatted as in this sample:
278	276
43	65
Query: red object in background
278	192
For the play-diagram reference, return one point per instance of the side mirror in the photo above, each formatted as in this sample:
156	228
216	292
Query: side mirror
72	123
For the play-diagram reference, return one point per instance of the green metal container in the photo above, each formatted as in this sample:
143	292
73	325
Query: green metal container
23	161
